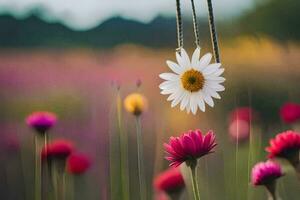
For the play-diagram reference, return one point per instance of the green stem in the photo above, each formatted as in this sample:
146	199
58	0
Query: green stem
175	195
123	152
54	181
141	171
297	170
45	172
59	179
271	190
195	186
37	170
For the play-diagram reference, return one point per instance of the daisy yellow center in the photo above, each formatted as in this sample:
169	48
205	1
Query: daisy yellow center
192	80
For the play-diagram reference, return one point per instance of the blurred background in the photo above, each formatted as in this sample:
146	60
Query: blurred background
69	58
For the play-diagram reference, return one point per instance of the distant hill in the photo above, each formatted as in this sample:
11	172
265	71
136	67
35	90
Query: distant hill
35	32
277	18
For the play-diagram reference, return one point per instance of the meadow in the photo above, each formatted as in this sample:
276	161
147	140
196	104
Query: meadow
85	88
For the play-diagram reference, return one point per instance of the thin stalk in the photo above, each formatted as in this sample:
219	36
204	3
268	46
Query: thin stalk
71	188
114	163
54	181
38	169
175	195
236	166
45	172
195	186
271	196
213	31
59	179
123	152
271	190
297	169
142	183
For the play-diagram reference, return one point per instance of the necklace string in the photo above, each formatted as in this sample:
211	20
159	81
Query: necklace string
195	25
213	31
179	26
212	28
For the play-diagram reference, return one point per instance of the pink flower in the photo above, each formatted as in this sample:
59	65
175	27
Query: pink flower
265	173
189	147
169	181
290	112
78	163
58	149
239	126
285	145
243	113
239	130
41	121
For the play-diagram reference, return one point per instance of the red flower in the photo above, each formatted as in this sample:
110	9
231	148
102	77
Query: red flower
57	149
243	113
41	121
78	163
189	147
285	145
265	173
169	181
290	112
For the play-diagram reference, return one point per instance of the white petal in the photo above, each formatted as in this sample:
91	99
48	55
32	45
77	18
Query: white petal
217	87
209	100
169	76
205	60
201	105
185	101
174	95
215	95
167	91
215	78
219	72
177	99
175	67
183	59
188	108
211	92
211	68
193	103
195	57
169	85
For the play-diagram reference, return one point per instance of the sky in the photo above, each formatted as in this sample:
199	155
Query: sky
85	14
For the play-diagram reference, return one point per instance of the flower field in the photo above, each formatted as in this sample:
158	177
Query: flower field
85	88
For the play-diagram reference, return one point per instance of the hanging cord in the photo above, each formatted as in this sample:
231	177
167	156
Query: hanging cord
179	26
213	31
195	24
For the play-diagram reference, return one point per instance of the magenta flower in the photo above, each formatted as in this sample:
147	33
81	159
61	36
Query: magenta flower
189	147
41	121
264	173
290	112
78	163
169	181
57	149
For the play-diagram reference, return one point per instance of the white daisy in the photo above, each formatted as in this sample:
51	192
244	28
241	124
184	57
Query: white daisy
194	82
